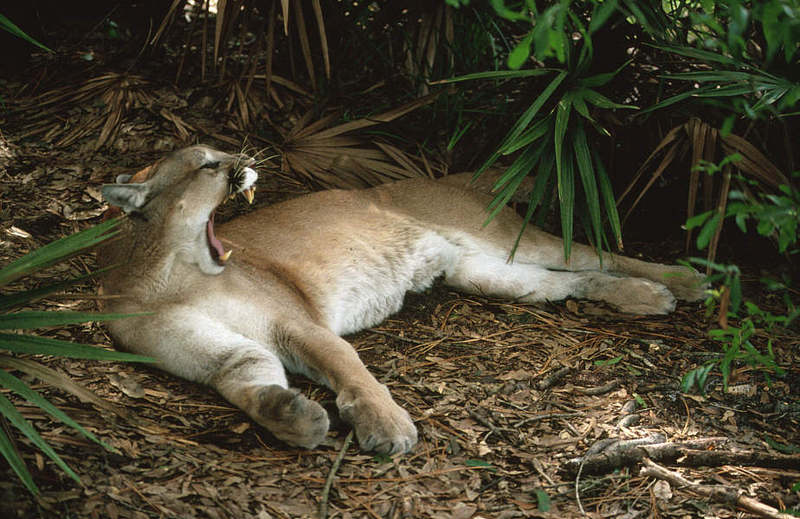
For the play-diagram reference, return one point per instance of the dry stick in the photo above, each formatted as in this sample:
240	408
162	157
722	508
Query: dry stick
719	493
323	504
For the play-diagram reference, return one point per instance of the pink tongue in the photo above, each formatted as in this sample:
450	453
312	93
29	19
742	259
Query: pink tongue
217	249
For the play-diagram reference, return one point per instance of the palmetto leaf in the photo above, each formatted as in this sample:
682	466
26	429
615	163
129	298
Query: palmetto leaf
31	344
41	319
17	464
10	412
11	382
57	251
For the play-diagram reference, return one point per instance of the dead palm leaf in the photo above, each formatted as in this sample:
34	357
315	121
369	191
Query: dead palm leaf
708	144
115	94
325	156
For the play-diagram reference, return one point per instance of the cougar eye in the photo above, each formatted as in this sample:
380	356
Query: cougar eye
210	165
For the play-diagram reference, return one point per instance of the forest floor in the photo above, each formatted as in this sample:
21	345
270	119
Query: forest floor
507	397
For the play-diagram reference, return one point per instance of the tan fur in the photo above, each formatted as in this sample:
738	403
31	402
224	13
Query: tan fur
306	271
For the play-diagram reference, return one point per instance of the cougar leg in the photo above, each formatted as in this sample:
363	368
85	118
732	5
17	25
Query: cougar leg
243	371
380	424
479	273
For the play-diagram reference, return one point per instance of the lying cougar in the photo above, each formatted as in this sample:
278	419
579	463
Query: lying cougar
233	307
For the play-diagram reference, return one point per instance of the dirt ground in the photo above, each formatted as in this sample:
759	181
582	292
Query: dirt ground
506	397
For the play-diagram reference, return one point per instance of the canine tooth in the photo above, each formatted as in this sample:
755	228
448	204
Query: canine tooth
225	256
249	194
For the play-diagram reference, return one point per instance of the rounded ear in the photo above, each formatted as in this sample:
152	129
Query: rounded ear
129	197
123	179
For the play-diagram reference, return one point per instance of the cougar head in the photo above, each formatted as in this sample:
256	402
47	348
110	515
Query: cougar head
177	197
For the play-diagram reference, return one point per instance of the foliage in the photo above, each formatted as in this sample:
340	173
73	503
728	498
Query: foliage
34	345
9	26
776	216
552	137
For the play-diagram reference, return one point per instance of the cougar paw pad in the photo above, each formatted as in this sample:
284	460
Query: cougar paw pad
292	417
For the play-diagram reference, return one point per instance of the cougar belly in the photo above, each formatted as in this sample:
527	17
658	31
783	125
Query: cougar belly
373	276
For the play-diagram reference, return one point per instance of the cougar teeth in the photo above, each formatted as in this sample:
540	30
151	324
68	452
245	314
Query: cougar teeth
225	256
249	194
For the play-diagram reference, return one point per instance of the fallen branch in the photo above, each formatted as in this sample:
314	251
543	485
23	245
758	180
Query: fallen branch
719	493
691	453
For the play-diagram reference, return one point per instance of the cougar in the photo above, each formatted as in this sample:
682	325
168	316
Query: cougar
236	305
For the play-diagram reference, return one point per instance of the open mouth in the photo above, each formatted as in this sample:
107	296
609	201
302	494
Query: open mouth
215	247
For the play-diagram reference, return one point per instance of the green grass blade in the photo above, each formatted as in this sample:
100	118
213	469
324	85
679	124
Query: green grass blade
596	98
566	198
562	121
525	119
19	387
540	184
42	319
57	251
537	131
45	346
27	296
16	462
698	54
609	201
515	174
497	74
11	27
583	157
17	420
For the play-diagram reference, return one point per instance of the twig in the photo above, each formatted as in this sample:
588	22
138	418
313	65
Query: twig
690	453
552	379
719	493
323	503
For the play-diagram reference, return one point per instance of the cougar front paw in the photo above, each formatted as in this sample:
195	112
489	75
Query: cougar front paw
292	417
380	424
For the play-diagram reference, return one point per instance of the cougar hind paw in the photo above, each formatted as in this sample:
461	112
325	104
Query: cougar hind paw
291	417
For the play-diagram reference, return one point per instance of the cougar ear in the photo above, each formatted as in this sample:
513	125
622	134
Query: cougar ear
129	197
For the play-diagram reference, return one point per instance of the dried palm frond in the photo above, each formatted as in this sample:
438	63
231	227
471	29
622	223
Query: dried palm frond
108	97
233	15
432	27
705	144
334	158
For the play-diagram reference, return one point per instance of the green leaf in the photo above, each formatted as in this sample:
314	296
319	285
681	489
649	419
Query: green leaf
11	413
541	128
27	296
566	198
515	174
479	463
11	27
602	79
16	462
601	13
57	251
698	220
598	99
525	119
41	319
609	201
608	362
44	346
708	230
498	74
13	383
586	169
542	500
520	53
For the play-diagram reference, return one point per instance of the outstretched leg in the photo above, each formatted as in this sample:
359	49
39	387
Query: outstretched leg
245	372
481	273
